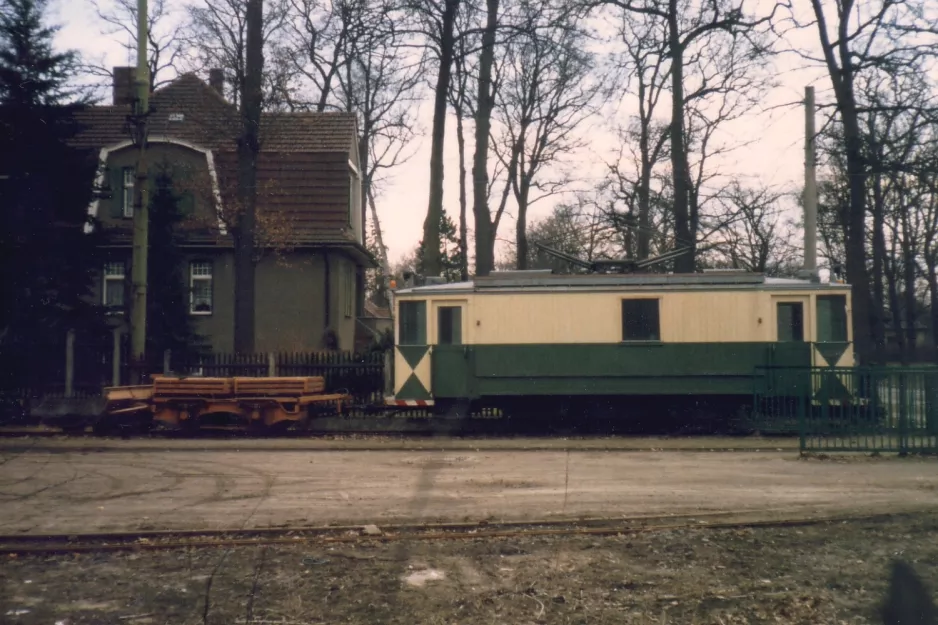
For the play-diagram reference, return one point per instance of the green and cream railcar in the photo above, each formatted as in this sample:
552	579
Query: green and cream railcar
529	335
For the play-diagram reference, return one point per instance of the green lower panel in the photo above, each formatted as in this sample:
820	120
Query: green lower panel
608	369
452	371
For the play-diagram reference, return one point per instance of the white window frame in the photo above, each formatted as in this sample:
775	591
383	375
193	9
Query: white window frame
119	280
201	277
127	191
355	201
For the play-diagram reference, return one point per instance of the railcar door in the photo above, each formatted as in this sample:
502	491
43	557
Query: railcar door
452	355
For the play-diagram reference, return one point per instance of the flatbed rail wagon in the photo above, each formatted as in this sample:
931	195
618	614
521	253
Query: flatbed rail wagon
180	402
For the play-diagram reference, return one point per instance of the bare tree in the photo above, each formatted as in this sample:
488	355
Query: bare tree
485	103
693	29
164	45
380	82
320	35
854	38
576	228
646	137
546	92
760	238
463	107
216	32
436	22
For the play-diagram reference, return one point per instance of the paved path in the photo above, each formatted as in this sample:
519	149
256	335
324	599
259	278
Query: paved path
13	443
76	490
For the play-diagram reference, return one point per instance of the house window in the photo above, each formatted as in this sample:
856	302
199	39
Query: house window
790	322
115	275
413	323
200	287
449	325
349	291
127	196
832	318
640	320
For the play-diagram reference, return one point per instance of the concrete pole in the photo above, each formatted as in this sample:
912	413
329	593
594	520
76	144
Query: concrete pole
70	363
167	361
116	359
271	365
810	186
138	319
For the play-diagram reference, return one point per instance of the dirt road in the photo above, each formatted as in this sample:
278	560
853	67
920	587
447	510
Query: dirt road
76	490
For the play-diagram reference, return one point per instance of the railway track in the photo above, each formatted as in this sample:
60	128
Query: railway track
50	544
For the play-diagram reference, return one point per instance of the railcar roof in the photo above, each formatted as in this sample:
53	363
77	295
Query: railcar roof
543	282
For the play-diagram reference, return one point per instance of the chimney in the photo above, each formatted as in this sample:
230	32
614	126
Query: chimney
124	87
216	80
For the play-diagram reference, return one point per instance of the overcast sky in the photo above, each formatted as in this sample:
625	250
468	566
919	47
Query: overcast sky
774	154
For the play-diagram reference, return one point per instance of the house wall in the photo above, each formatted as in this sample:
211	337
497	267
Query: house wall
291	302
290	313
217	328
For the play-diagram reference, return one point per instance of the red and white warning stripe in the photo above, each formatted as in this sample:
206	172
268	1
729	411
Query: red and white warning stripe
405	403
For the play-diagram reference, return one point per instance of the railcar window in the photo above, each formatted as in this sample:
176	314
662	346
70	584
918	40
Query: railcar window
449	325
413	323
832	318
790	321
640	320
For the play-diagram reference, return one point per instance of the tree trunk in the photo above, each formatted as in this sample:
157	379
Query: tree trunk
382	251
248	148
463	203
908	274
364	178
432	261
878	320
485	233
931	264
644	208
684	263
857	272
521	230
896	313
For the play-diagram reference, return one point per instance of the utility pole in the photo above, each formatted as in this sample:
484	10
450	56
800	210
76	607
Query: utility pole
138	318
810	188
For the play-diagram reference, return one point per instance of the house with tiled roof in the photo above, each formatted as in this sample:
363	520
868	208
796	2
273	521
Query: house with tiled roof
311	255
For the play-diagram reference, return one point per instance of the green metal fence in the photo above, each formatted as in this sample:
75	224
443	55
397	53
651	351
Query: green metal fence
850	409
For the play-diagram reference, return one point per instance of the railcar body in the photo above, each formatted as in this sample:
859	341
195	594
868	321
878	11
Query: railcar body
508	340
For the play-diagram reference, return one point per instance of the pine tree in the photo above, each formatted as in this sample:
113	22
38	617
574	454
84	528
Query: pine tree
32	75
169	325
47	185
450	254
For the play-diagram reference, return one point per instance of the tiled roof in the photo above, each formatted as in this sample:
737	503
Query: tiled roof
374	311
211	122
308	132
301	169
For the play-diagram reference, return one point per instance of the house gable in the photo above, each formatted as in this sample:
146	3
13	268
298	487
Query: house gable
191	167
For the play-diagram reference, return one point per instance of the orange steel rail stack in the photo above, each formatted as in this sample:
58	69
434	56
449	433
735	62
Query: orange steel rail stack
257	401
